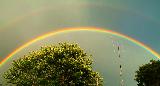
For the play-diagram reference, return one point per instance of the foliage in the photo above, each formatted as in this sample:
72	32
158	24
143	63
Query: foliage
63	64
149	74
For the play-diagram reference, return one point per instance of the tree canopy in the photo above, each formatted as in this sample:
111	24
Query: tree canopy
149	74
63	64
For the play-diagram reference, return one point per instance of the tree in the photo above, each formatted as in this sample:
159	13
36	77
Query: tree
149	74
63	64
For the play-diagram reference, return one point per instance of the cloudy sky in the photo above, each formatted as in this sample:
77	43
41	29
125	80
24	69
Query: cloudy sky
23	20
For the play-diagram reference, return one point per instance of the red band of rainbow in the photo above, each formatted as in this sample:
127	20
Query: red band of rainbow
78	29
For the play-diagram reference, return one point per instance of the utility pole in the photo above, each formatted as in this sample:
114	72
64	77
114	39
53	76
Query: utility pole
117	48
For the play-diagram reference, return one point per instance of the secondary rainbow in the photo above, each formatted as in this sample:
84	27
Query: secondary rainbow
78	29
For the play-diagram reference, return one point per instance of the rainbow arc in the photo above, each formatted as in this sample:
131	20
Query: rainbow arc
78	29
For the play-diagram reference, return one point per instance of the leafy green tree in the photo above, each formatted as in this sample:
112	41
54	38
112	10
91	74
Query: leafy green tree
63	64
149	74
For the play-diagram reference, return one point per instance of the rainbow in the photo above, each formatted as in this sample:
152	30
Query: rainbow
78	29
36	12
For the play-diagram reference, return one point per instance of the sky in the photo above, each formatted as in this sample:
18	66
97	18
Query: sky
104	52
23	20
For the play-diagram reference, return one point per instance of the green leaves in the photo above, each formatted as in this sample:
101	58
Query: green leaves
64	64
149	74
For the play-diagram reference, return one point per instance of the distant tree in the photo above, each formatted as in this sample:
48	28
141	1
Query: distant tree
149	74
63	64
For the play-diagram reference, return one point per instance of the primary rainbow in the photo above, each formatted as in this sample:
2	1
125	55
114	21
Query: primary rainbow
78	29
